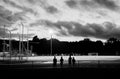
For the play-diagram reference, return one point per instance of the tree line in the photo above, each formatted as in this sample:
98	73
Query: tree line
82	47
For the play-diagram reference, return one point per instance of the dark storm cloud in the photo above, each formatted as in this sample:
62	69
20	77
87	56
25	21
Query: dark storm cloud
7	18
32	1
71	3
51	9
96	30
25	9
43	4
103	31
109	4
58	24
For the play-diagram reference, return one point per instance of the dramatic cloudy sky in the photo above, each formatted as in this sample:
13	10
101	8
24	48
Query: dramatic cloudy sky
70	20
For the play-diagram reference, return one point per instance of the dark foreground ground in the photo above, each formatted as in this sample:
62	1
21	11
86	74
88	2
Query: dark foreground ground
61	73
47	70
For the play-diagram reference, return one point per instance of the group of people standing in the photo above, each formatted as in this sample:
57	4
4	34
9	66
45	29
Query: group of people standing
71	61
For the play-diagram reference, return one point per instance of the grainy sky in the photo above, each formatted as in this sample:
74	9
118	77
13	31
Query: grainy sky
69	20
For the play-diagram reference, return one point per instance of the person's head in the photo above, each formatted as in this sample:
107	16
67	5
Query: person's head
54	56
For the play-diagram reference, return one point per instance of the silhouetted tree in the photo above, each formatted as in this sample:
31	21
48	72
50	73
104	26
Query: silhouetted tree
111	46
35	39
83	47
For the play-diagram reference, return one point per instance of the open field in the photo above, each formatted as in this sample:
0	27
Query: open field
42	66
47	62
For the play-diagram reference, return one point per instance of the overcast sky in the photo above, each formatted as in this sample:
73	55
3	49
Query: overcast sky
70	20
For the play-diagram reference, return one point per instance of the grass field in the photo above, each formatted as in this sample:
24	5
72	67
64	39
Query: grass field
43	65
47	62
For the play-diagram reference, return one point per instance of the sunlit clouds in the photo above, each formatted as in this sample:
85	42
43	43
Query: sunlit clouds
67	19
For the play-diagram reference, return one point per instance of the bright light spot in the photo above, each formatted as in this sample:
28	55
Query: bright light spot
51	32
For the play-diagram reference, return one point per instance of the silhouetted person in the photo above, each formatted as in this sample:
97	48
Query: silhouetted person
70	60
61	61
54	61
73	61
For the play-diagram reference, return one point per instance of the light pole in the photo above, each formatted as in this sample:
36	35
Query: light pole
51	44
21	50
20	40
19	34
19	45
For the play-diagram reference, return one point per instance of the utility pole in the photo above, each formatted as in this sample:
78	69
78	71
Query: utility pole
10	44
27	41
20	42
